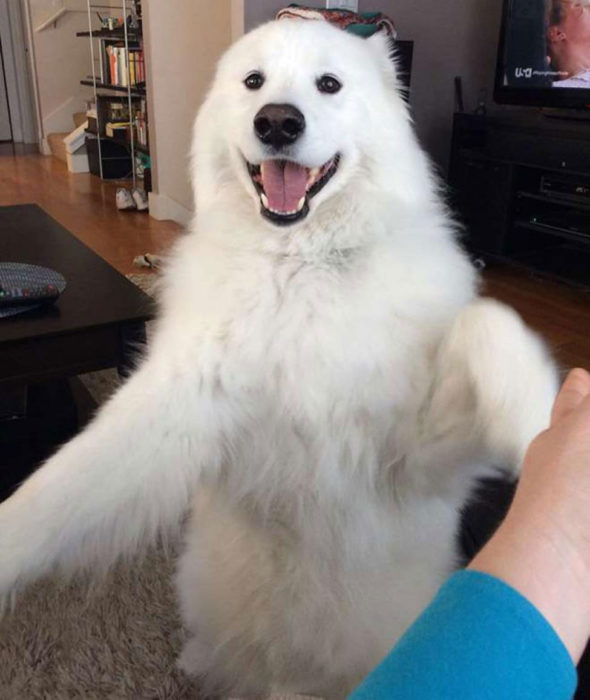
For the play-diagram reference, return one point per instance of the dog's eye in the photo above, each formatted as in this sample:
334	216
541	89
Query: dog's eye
329	84
254	81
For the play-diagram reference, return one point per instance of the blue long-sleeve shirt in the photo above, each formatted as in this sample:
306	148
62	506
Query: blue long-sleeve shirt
479	639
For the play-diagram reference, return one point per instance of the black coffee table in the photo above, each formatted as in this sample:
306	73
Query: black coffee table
90	325
95	324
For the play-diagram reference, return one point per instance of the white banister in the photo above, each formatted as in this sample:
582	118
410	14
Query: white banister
51	20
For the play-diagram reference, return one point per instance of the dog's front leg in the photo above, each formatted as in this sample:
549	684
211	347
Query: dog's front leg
493	387
114	486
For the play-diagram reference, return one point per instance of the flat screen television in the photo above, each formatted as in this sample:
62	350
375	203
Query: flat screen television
544	54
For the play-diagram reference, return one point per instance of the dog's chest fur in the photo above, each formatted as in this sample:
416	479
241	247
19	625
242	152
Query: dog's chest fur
320	363
325	371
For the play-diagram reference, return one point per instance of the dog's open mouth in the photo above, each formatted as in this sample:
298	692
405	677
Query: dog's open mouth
285	187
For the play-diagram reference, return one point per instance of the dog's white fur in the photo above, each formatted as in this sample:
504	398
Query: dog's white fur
324	394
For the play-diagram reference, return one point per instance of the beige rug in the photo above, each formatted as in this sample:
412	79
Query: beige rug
118	641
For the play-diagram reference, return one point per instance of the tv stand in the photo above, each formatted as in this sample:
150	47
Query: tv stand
521	184
578	115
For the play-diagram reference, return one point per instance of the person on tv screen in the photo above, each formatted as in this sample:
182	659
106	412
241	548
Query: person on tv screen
568	42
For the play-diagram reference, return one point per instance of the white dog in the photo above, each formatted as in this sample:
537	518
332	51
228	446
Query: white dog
323	387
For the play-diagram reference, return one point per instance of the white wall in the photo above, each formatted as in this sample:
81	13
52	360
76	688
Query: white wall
452	37
182	48
237	18
42	11
62	60
45	12
258	11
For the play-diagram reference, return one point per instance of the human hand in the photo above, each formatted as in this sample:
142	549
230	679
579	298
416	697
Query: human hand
542	549
554	488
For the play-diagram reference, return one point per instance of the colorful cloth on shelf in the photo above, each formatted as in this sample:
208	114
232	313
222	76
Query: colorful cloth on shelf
364	23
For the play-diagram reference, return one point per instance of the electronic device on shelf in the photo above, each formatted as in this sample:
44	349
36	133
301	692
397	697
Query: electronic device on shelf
24	286
554	222
575	190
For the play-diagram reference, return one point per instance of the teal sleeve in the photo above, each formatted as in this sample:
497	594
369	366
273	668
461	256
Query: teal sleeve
478	640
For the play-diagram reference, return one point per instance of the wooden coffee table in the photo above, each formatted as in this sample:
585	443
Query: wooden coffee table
95	324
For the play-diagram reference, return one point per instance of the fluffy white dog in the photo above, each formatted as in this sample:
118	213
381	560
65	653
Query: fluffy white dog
323	388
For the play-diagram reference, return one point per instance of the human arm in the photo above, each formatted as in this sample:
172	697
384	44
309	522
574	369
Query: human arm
478	640
514	623
543	546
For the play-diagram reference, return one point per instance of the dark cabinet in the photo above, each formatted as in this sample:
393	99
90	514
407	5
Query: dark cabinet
520	184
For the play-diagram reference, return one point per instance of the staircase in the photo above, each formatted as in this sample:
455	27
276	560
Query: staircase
76	160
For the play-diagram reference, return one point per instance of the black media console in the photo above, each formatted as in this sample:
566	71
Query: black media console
521	184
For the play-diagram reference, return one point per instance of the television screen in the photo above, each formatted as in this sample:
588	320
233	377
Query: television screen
544	55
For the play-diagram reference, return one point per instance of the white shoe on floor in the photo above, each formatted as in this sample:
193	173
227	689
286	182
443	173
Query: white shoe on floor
140	199
124	199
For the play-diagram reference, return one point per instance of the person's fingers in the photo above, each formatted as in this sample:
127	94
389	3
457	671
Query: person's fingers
574	390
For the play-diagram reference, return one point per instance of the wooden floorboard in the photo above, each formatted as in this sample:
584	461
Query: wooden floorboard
561	313
86	207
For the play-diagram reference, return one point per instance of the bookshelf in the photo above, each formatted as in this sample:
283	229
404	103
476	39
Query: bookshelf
135	92
111	33
117	134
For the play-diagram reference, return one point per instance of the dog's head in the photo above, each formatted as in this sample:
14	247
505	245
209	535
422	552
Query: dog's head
299	111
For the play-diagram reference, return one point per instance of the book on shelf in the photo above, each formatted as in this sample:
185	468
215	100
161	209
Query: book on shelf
118	124
92	116
116	129
141	130
121	66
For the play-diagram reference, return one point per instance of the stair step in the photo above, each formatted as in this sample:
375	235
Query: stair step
78	161
57	146
76	139
79	118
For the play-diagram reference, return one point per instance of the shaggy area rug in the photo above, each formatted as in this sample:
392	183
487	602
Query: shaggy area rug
117	640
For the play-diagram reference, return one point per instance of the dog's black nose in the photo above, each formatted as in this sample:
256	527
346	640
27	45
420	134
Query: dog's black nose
279	125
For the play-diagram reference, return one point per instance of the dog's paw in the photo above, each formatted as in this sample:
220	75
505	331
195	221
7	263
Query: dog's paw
8	585
508	373
20	559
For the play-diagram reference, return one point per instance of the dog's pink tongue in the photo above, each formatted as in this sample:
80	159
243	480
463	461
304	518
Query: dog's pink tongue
284	184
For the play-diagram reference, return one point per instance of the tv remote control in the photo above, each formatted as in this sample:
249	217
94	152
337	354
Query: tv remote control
13	296
24	286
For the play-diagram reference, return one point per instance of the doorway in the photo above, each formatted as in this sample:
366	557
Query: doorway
17	116
5	125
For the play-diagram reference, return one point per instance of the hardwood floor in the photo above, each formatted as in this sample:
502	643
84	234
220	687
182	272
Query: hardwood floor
86	207
559	312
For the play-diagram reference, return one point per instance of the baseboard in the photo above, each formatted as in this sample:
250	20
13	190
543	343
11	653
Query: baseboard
163	207
44	147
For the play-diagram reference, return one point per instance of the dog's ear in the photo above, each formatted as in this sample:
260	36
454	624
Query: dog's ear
381	43
383	47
